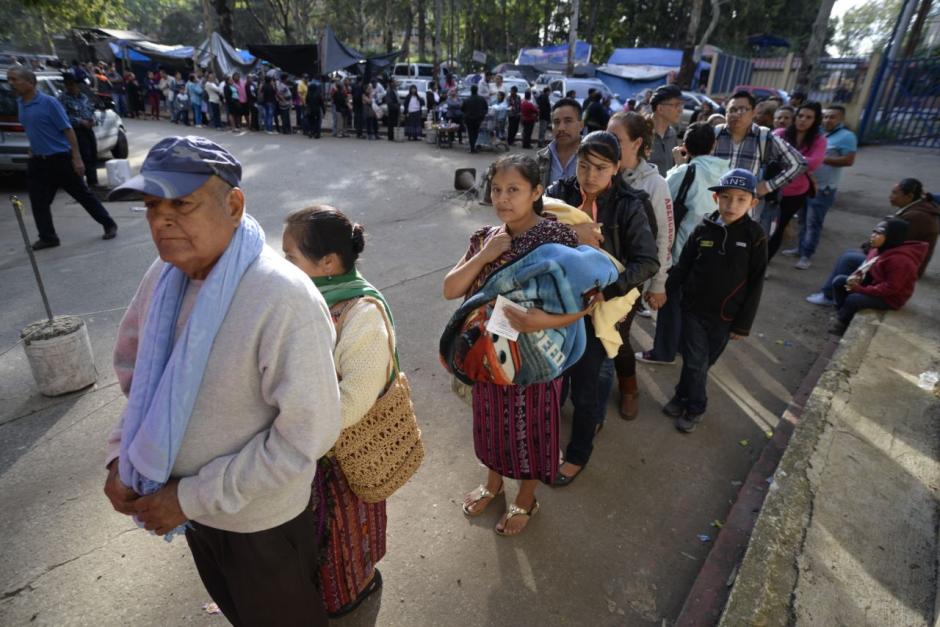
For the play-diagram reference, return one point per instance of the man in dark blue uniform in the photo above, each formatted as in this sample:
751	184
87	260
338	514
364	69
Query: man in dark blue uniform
55	160
81	114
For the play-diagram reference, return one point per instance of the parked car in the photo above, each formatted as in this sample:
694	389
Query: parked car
545	79
14	145
562	85
692	100
762	93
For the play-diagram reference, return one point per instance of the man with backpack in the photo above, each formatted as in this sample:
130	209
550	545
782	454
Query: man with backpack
691	202
744	144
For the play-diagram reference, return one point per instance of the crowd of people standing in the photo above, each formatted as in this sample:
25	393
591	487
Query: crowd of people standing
231	442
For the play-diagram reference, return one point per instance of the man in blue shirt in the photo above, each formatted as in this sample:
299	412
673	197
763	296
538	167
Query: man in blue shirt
559	160
841	146
55	160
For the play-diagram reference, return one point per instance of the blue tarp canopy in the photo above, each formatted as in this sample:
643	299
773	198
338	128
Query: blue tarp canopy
766	40
135	57
628	88
666	57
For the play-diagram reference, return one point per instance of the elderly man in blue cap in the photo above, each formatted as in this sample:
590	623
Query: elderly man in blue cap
225	356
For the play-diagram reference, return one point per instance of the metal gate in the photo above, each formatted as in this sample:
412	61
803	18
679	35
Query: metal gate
904	106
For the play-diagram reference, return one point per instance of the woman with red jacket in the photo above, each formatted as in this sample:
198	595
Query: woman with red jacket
885	280
530	115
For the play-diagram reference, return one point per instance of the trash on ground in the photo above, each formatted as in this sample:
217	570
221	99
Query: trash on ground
769	434
928	380
717	524
704	537
211	608
737	484
691	557
743	442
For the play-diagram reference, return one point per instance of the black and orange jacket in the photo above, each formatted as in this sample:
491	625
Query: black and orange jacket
721	271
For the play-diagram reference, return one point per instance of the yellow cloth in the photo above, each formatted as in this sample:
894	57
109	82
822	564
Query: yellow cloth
607	314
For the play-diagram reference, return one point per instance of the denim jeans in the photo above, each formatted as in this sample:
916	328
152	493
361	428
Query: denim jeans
769	216
668	327
120	103
848	303
703	341
197	114
585	381
269	116
847	263
812	218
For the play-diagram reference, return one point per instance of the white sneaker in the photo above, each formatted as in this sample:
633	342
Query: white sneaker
790	252
820	299
803	264
645	312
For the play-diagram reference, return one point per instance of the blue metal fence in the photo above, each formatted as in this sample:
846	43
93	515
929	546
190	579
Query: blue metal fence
729	71
904	107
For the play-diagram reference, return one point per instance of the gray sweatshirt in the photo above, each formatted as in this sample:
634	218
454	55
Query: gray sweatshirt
268	407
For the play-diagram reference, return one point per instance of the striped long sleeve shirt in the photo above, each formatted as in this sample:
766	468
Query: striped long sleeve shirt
749	154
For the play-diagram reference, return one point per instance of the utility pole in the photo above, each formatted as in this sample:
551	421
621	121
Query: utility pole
572	35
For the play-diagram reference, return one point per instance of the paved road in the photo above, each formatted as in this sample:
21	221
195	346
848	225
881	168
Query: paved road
619	548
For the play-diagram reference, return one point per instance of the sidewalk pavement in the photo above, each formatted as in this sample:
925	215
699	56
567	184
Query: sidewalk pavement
848	532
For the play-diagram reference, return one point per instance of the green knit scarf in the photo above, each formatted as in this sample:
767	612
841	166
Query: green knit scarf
340	287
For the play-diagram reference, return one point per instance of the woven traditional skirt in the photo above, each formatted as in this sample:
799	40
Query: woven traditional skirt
515	429
352	534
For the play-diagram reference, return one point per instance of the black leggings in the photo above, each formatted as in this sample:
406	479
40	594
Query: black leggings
625	361
789	207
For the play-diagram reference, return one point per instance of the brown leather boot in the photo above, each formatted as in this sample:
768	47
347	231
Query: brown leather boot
629	395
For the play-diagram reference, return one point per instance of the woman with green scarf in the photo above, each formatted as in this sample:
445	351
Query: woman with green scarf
322	242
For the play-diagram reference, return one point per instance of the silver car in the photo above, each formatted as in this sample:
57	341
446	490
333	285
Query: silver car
14	145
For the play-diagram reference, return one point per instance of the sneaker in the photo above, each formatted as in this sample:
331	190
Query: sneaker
837	327
803	264
686	423
820	299
673	409
647	358
645	312
790	252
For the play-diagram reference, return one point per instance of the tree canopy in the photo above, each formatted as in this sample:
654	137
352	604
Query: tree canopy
497	27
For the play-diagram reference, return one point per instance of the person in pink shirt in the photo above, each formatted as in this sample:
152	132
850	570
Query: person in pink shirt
241	87
803	134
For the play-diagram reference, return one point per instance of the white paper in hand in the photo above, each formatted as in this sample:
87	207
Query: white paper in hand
498	323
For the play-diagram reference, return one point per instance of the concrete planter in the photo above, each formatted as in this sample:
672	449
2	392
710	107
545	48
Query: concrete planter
59	355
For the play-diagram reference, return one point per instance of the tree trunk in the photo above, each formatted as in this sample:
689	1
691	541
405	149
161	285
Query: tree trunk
548	8
814	48
438	21
913	39
422	30
388	32
572	35
409	28
223	13
689	64
502	4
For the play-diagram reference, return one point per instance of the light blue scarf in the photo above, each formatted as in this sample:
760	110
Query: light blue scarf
168	374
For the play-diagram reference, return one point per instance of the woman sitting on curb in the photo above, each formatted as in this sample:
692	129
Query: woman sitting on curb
917	208
886	278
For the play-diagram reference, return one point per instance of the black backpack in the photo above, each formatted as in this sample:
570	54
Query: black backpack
679	208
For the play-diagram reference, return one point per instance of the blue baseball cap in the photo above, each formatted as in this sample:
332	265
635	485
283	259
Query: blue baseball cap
178	166
739	178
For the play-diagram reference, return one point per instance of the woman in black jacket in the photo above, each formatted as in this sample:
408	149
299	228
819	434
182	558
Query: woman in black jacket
623	215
